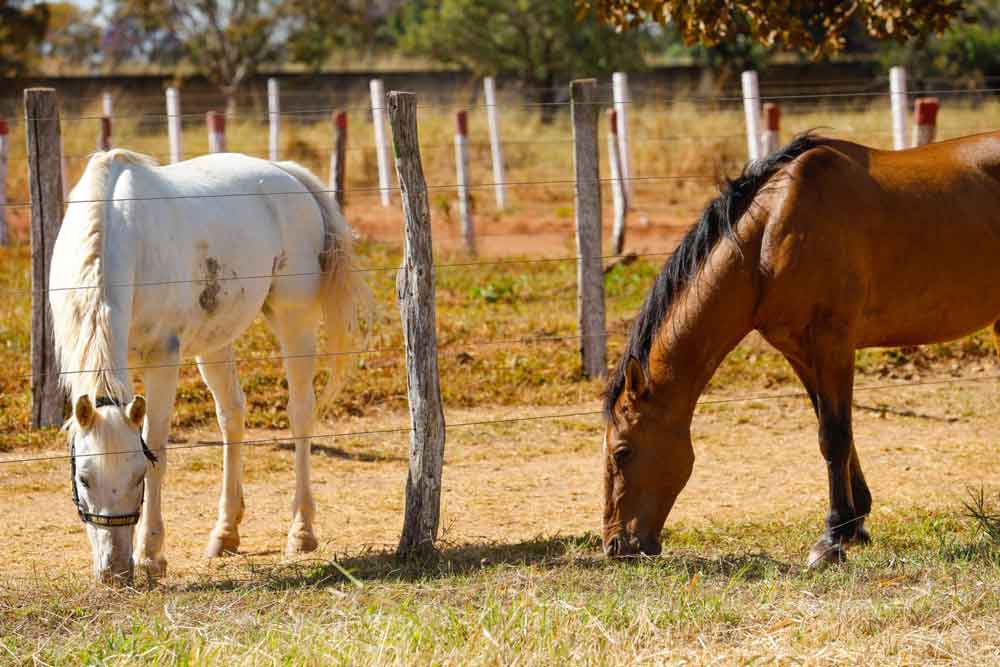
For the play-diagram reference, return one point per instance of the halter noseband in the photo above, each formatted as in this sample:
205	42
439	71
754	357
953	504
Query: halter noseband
107	520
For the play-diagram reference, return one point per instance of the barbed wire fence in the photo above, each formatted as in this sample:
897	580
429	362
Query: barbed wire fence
45	162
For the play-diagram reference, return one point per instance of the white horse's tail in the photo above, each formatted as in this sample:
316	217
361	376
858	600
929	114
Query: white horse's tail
345	297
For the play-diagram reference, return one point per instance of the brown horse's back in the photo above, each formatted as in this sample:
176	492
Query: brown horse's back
896	248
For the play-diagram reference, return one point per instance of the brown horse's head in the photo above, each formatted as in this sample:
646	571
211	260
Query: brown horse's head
648	460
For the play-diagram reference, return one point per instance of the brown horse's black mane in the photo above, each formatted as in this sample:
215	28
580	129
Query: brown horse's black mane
718	221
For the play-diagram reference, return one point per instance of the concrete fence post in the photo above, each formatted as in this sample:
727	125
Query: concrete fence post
898	103
216	123
462	180
622	100
619	193
378	122
496	151
4	154
273	119
770	140
751	110
925	120
174	123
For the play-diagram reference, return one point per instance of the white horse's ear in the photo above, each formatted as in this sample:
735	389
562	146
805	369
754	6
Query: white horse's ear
136	411
84	412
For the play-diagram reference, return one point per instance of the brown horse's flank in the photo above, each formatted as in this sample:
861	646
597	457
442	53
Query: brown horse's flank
846	247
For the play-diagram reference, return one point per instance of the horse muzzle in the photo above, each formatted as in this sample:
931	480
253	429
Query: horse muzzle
621	546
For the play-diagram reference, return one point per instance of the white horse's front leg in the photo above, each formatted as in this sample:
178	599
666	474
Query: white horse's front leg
299	349
161	387
219	372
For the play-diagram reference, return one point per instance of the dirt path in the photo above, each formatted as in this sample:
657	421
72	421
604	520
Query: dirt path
757	462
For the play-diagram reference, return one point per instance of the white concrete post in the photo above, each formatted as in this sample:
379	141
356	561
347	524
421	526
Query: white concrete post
174	123
378	120
490	93
107	104
273	119
619	194
897	98
462	174
751	109
216	122
622	101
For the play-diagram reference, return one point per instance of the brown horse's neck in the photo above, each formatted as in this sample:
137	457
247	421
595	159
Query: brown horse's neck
704	324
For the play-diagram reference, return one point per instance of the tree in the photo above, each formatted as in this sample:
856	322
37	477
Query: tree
22	29
539	42
818	27
73	37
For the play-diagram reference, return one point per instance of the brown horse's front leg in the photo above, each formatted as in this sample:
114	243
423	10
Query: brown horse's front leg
833	372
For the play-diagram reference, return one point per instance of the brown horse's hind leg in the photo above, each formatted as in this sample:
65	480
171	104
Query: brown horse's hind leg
859	487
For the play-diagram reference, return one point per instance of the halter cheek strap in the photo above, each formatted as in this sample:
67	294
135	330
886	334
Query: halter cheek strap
107	520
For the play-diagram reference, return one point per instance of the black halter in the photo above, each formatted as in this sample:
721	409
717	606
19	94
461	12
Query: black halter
107	520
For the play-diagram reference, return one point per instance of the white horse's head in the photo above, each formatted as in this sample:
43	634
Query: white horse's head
109	459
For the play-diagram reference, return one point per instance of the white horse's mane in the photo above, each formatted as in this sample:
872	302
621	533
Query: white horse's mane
81	311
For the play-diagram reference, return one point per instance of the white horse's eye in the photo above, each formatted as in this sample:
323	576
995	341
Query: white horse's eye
84	483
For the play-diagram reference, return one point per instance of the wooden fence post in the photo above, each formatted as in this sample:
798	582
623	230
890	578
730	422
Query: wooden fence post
496	151
104	140
590	273
925	120
770	140
216	123
619	193
897	99
338	157
273	119
751	109
622	101
174	124
4	152
415	290
462	176
41	122
378	121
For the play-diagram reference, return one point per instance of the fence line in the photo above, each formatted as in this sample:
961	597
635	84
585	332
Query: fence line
488	422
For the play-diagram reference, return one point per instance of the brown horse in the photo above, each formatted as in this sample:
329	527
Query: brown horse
824	247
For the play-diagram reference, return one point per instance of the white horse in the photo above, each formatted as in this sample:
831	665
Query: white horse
153	264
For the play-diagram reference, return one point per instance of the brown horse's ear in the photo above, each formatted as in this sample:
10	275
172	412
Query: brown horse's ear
635	379
136	411
84	412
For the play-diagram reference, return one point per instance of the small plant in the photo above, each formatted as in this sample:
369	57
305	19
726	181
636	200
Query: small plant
986	517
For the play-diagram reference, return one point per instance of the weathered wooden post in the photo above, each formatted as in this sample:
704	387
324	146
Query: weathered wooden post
619	193
622	101
751	109
273	119
104	140
378	122
897	100
174	123
590	274
4	152
338	157
770	140
41	122
216	123
496	151
925	120
462	179
415	290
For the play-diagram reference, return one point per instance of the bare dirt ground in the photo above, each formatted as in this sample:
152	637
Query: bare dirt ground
757	462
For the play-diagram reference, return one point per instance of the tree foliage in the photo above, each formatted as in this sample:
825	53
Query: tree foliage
540	42
817	27
22	29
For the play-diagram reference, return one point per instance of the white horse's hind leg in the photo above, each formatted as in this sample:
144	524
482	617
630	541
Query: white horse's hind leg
219	372
161	388
296	331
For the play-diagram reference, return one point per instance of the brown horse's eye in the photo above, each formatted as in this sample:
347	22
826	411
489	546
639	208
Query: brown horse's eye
622	455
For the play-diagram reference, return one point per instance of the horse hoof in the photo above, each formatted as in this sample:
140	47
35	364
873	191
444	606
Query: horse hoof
301	542
825	553
155	568
222	544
